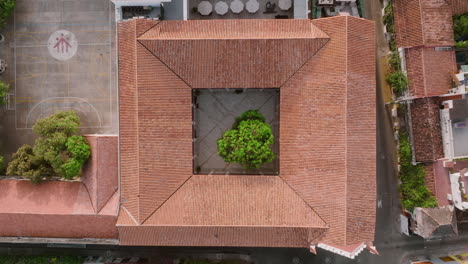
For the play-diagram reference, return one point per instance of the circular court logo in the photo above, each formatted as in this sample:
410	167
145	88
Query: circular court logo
62	45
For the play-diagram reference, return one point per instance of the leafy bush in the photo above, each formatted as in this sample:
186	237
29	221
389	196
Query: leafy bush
461	44
248	143
6	10
395	61
248	115
57	151
460	26
25	163
62	122
3	92
413	188
388	18
79	152
40	260
398	81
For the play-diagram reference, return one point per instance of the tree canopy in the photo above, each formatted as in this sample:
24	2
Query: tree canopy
248	142
57	151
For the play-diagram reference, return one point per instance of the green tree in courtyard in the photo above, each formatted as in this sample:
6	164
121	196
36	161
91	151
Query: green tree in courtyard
248	142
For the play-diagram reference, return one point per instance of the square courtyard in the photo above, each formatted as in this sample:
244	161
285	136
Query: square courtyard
215	110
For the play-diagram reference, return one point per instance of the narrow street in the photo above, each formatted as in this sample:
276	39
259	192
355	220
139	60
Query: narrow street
393	246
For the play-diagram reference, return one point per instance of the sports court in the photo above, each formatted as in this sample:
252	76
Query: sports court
65	59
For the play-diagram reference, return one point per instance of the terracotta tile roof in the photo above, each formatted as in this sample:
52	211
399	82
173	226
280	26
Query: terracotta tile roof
160	111
327	112
423	23
429	71
205	43
458	6
65	209
218	236
430	177
209	200
235	29
101	188
427	137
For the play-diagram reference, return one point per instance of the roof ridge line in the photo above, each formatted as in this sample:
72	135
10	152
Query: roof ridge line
137	40
346	134
157	23
238	38
311	208
165	201
107	201
137	123
129	214
256	226
90	199
307	61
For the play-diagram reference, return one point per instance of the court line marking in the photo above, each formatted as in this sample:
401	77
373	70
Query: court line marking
28	34
45	45
77	98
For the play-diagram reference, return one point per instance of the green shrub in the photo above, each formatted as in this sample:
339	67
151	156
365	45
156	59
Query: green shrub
3	92
61	122
398	81
6	10
395	61
460	25
2	166
388	15
248	115
57	151
413	188
25	163
461	44
40	260
249	143
79	151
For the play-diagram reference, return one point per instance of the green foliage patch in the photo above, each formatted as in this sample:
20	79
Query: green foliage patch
56	152
6	10
460	25
248	143
4	88
395	77
40	260
413	188
398	81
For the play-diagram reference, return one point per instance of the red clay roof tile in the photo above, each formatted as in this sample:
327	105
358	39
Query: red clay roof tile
320	160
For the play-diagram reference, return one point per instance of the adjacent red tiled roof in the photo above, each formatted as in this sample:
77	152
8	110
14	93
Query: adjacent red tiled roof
426	129
423	23
327	133
430	177
458	6
65	209
205	42
429	71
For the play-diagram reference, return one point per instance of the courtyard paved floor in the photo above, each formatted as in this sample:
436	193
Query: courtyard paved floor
50	72
215	113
